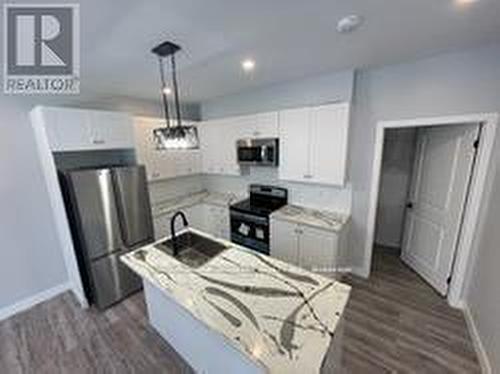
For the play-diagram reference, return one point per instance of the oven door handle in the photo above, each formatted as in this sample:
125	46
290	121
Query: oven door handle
250	218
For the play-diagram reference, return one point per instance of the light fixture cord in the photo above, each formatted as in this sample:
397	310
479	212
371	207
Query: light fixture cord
176	91
163	94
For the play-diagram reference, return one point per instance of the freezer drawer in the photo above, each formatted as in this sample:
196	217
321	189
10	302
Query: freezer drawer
112	280
133	205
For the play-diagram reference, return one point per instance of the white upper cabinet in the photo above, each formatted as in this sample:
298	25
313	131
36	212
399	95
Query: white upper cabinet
313	144
162	164
111	130
294	144
261	125
218	147
329	141
70	129
67	129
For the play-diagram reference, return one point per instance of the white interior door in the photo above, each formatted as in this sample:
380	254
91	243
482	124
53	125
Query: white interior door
441	173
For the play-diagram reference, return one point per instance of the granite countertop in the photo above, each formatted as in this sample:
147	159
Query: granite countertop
214	198
281	316
312	217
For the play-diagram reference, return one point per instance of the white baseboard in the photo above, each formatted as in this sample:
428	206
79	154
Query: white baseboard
476	340
31	301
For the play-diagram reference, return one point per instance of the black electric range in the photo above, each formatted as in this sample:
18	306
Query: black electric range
250	217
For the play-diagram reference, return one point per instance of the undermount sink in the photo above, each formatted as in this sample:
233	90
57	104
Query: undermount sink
193	250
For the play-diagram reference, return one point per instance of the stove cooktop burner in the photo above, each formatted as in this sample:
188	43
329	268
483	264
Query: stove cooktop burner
246	206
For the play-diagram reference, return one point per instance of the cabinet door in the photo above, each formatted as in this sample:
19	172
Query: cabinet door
294	144
67	129
329	138
317	249
111	130
284	241
267	125
218	147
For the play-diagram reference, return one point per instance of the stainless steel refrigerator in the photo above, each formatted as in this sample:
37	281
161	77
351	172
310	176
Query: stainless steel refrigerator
109	214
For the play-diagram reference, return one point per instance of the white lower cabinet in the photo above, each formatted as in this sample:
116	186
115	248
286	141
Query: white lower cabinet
305	246
208	218
284	241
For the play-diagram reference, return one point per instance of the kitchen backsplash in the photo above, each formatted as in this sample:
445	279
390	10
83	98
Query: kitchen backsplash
310	195
172	188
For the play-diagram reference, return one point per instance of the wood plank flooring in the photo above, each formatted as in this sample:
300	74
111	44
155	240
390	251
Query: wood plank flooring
395	323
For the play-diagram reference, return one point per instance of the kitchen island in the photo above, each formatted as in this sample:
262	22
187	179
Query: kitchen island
241	311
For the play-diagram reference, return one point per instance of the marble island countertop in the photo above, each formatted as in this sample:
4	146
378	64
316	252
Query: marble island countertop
313	217
214	198
280	316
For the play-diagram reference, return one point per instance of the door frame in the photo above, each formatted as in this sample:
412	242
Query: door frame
472	208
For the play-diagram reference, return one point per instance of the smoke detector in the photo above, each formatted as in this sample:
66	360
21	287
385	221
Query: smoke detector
349	24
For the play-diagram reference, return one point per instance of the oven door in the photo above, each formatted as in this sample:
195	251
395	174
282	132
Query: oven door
250	231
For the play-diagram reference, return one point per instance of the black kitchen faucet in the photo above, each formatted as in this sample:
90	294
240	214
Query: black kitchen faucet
172	228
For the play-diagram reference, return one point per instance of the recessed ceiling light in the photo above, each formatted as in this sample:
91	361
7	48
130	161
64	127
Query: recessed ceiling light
349	23
167	90
465	2
248	65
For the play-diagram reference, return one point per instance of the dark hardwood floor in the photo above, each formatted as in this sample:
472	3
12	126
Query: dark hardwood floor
394	323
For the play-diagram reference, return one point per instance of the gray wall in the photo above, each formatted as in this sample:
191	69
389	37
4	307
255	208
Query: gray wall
457	83
30	259
397	162
483	296
308	91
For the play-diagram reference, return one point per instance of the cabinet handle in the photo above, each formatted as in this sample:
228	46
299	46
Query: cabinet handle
308	176
97	141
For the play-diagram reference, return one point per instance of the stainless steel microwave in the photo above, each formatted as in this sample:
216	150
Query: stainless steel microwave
258	152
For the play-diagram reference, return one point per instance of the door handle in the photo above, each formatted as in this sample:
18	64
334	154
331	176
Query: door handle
409	205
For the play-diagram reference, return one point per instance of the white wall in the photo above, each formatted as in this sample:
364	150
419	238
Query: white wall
397	162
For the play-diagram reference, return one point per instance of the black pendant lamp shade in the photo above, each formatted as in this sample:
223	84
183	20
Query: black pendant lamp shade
172	136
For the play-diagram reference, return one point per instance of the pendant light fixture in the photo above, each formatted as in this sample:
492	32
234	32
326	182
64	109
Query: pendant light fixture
172	136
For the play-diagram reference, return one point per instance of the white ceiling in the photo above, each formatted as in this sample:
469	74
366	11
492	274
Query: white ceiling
288	39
